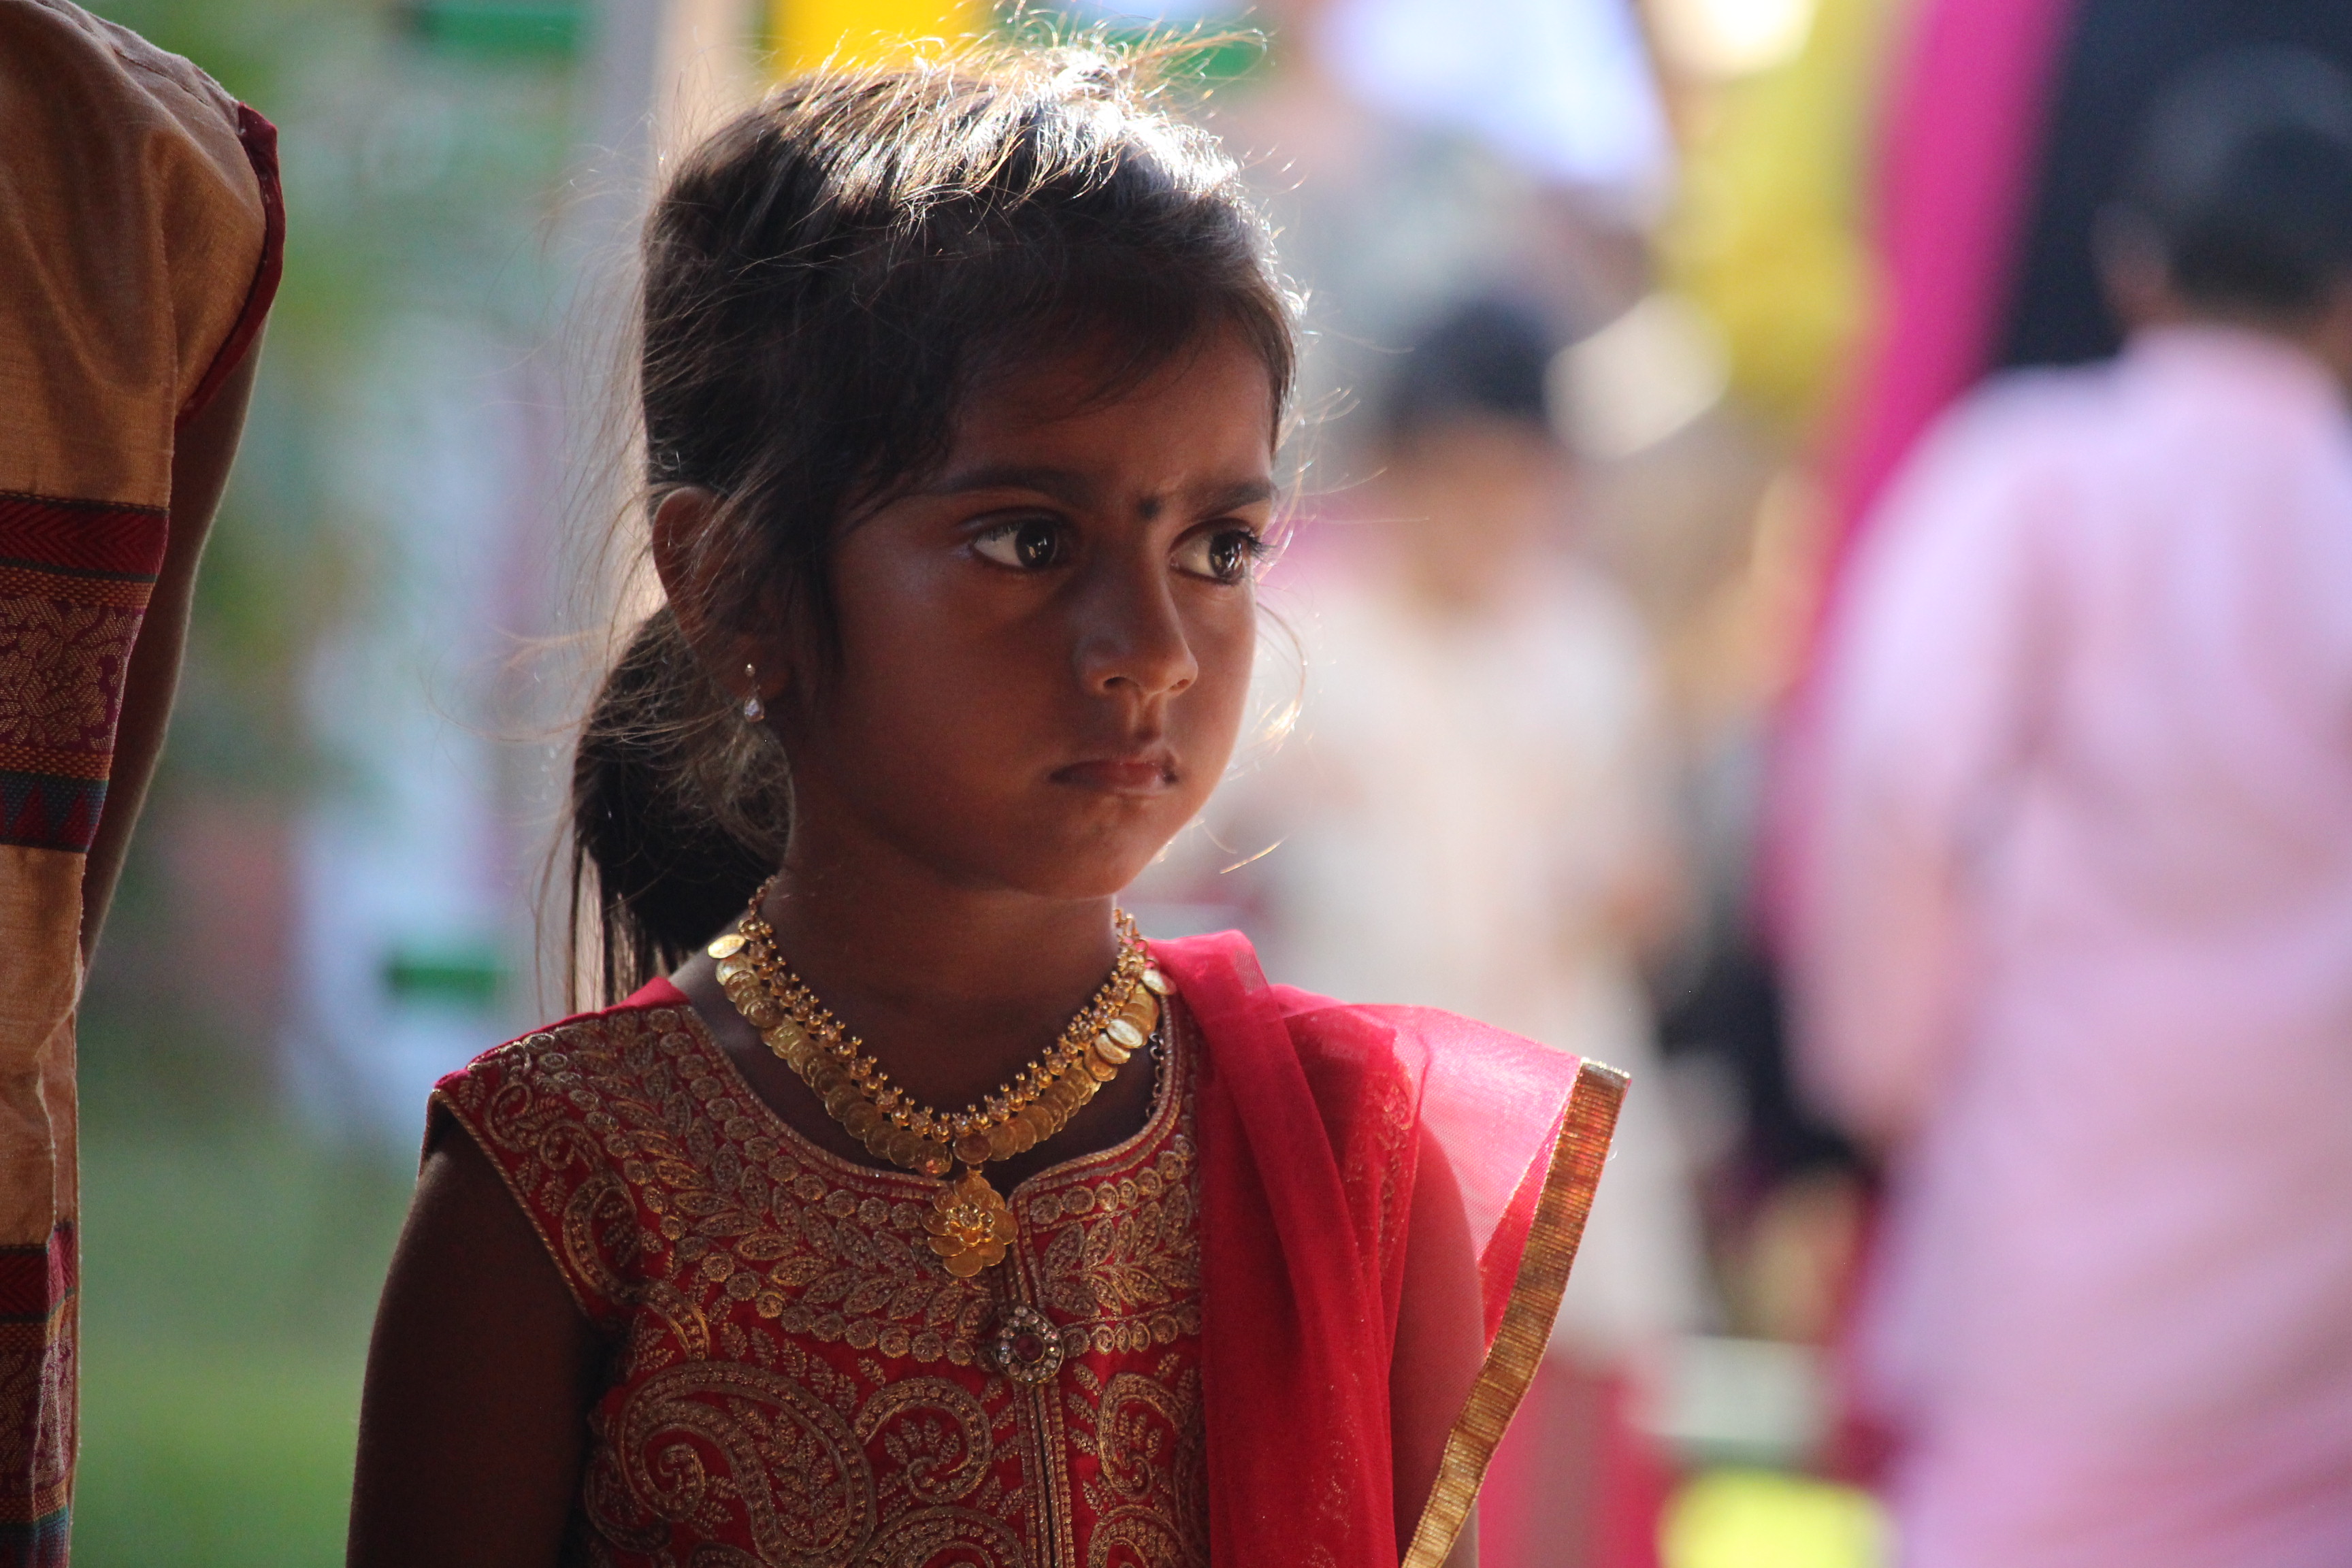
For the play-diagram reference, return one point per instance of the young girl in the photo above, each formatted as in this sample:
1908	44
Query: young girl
905	1206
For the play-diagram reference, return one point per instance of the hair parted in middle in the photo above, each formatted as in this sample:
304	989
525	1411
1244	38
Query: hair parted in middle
829	280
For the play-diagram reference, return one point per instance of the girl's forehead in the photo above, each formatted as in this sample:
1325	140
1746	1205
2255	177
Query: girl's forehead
1194	435
1215	389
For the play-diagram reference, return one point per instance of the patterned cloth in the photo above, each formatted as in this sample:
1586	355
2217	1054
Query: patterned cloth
796	1378
140	230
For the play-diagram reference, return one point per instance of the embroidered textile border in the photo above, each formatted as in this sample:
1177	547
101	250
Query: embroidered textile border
60	534
1518	1346
40	1544
37	1287
75	578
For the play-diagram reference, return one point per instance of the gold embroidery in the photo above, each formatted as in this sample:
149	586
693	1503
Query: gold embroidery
1152	1498
935	1432
36	1381
1565	1202
785	1462
756	1286
1124	1259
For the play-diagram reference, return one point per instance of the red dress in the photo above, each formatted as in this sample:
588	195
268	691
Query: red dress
796	1377
1192	1335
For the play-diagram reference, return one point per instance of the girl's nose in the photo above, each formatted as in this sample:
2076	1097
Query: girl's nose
1131	634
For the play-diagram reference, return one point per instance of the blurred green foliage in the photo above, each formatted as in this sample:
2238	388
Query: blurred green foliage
232	1261
231	1276
499	26
1207	54
421	177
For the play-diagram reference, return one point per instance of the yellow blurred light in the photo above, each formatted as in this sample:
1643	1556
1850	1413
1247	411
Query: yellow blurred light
864	32
1768	235
1722	38
1762	1519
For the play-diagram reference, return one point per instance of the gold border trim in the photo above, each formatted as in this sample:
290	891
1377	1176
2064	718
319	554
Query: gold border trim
1511	1360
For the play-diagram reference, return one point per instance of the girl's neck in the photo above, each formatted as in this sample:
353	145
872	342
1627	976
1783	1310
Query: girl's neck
953	987
952	990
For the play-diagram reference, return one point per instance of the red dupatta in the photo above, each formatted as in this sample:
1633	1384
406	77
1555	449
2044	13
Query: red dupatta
1311	1113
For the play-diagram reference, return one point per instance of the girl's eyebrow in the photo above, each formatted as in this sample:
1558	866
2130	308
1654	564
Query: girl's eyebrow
1239	494
1065	485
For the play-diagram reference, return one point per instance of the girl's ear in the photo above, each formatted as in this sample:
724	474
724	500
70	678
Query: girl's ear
745	665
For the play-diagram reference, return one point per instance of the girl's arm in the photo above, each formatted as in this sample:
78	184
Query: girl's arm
1441	1343
474	1425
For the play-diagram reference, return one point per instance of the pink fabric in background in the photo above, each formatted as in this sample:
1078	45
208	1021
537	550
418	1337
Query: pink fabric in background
1955	175
1959	148
2078	948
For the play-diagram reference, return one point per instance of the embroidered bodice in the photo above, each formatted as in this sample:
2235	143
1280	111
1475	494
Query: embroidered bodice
795	1379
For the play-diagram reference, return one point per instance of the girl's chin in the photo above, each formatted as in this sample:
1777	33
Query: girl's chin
1047	843
1090	869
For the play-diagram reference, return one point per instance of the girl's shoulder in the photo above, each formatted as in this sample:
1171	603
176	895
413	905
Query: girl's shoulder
578	1116
1359	1088
633	1047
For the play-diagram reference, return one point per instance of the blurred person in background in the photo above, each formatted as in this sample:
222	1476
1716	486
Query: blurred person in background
2074	909
1411	153
1475	811
2000	130
2005	127
139	231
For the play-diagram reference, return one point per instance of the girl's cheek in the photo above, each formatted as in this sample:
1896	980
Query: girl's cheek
1225	668
1236	642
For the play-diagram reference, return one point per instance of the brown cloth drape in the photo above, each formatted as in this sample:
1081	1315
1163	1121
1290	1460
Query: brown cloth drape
140	241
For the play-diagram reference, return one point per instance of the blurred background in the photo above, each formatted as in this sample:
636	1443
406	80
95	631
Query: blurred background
1592	285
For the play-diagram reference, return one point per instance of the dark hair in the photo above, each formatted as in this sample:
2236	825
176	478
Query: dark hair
828	279
1486	358
2243	181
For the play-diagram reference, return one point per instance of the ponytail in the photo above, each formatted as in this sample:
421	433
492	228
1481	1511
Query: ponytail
679	809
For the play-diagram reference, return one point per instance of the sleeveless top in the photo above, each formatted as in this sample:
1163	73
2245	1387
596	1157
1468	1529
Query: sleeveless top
796	1378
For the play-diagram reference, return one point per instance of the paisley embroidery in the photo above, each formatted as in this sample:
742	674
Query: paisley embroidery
796	1379
709	1443
936	1435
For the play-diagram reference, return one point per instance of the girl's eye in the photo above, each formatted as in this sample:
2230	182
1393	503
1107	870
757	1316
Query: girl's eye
1030	545
1222	555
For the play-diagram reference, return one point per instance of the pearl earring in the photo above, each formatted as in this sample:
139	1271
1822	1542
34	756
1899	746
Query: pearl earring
753	709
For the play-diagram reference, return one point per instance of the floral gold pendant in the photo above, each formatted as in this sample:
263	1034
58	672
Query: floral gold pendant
970	1225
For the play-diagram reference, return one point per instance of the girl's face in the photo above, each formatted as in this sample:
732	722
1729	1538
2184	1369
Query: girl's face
1047	649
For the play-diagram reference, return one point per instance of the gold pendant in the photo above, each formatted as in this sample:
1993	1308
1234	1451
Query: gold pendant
1027	1347
970	1224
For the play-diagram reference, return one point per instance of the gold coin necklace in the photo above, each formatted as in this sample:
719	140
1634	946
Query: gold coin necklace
970	1224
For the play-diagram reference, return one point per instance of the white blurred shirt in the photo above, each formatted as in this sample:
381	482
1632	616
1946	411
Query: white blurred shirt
1460	806
2077	941
1563	89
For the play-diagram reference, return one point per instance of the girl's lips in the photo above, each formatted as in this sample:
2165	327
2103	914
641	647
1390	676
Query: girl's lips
1120	775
